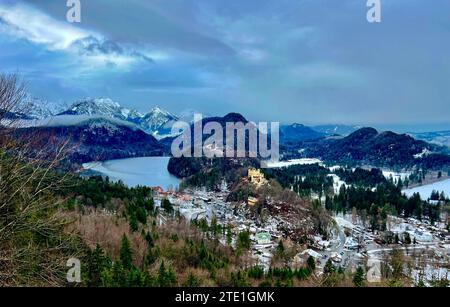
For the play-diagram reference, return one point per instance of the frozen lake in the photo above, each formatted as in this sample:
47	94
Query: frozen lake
280	164
147	171
425	190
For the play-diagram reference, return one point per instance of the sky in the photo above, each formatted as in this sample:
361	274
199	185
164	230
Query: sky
304	61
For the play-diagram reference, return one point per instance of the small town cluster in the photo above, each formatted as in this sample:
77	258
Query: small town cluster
350	245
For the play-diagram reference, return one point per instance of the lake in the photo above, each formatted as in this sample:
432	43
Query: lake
146	171
280	164
425	190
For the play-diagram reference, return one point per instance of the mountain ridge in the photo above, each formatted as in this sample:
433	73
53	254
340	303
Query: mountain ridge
96	139
365	145
156	122
385	149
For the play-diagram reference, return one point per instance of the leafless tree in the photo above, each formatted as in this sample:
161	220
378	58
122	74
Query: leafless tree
33	246
12	94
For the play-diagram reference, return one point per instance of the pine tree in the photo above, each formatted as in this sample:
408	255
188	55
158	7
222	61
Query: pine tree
400	183
166	277
149	239
162	275
126	254
358	277
151	256
280	248
311	264
420	283
141	215
135	278
167	205
134	226
239	279
214	226
150	205
119	276
330	277
96	264
328	203
229	236
329	267
243	240
191	281
407	238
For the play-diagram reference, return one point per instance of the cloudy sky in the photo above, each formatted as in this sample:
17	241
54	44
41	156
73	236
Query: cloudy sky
307	61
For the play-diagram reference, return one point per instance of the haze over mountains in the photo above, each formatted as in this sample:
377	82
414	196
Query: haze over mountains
107	130
437	137
157	122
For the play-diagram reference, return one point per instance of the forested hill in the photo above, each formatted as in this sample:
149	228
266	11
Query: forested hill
368	146
96	139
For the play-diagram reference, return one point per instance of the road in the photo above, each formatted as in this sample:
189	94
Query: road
338	247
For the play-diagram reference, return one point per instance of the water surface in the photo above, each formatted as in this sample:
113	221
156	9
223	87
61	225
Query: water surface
147	171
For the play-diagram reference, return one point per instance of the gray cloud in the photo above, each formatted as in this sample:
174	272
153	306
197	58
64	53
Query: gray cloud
311	61
91	45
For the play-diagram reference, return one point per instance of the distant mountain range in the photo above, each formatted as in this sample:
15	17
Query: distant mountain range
99	128
439	137
157	122
343	130
103	129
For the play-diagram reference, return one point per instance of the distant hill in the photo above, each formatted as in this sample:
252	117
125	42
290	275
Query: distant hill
96	139
368	146
186	167
297	132
231	117
343	130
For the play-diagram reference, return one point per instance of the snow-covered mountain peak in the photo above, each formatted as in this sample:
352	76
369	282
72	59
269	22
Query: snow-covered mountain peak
39	108
157	112
156	122
97	106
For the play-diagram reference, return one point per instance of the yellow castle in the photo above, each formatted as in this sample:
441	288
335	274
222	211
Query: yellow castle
256	177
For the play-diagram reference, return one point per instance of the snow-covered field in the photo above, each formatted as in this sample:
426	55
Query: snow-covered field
430	273
279	164
425	190
148	171
395	175
343	222
337	183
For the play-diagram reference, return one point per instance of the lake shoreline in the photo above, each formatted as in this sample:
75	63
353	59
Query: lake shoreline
425	190
143	171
